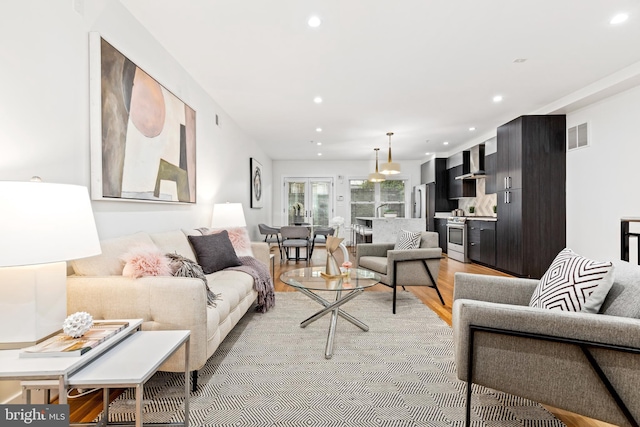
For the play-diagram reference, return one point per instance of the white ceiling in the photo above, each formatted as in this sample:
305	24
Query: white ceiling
424	69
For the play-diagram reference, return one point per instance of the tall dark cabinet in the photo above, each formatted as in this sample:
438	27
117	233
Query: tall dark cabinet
490	169
531	182
434	174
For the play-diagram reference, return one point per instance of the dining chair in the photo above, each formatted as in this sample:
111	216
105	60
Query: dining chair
271	235
320	235
296	237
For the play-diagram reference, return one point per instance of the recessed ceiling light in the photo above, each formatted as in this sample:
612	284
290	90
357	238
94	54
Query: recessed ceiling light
314	22
426	154
318	129
619	19
445	143
519	60
319	154
471	129
497	98
318	143
317	100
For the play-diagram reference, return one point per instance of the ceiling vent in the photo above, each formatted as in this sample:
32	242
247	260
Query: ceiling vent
578	137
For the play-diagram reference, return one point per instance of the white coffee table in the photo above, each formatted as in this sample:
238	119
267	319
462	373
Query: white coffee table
131	363
56	369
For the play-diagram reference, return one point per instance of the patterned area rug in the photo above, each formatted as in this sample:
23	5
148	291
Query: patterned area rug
271	372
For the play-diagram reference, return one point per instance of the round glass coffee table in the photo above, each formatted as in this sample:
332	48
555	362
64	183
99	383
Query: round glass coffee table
311	280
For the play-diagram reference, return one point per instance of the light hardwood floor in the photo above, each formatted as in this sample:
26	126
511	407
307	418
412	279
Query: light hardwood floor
87	408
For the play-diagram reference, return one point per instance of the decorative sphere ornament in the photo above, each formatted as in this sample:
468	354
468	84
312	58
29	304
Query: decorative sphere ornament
77	324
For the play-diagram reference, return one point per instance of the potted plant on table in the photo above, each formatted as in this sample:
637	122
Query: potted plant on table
298	212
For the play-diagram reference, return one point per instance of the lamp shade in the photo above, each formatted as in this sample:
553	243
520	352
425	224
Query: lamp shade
228	215
41	226
376	176
44	223
391	167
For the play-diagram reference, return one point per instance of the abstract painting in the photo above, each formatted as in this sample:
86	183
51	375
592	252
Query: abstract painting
256	184
143	137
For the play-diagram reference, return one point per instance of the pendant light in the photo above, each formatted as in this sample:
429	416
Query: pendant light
390	168
376	176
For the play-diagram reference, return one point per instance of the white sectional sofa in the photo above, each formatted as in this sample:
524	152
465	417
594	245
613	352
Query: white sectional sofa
98	287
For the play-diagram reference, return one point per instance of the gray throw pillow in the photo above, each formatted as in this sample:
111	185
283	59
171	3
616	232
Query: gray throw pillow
624	297
214	252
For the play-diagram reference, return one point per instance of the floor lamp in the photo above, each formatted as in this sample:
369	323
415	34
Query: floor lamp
42	225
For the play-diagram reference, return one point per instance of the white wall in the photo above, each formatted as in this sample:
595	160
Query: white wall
44	116
332	169
44	113
602	179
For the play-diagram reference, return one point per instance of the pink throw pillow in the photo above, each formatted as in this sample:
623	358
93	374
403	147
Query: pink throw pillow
146	261
240	240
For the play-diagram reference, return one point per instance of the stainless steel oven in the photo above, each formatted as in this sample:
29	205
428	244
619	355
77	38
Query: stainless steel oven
457	239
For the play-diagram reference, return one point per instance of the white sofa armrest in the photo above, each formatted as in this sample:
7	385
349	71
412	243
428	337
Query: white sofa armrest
261	252
164	303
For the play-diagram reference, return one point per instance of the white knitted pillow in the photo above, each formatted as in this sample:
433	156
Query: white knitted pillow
573	283
408	240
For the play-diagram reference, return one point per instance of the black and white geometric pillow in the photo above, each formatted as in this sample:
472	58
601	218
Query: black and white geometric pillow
573	283
408	240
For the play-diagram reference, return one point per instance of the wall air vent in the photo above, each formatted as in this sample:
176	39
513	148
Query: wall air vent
578	136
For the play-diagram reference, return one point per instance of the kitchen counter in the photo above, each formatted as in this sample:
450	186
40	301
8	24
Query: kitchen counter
385	230
481	218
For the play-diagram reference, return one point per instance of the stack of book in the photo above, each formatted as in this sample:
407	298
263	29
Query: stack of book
62	345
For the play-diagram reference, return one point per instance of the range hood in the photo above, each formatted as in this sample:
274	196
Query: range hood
473	163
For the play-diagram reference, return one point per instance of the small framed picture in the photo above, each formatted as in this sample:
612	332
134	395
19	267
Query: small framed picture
256	184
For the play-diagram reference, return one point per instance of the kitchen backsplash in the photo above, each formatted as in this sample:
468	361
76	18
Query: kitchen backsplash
483	203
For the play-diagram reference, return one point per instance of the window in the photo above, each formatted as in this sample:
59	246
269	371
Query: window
392	193
362	198
366	196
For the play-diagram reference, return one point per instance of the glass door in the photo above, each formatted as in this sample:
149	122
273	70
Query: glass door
308	200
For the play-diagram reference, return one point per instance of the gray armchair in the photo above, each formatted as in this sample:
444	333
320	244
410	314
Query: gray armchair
411	267
584	363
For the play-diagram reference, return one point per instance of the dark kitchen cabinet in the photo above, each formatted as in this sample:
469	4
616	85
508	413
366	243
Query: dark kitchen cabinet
531	181
460	187
481	241
441	228
490	163
434	174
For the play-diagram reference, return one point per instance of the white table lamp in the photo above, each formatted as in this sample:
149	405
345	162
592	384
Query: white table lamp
42	225
228	215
